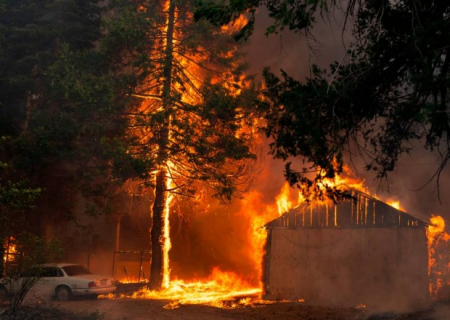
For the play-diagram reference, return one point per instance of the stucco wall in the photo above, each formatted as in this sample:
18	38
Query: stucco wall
380	267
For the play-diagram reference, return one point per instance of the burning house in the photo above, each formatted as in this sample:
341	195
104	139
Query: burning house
359	251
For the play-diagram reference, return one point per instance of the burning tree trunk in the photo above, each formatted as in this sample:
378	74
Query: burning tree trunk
157	234
159	269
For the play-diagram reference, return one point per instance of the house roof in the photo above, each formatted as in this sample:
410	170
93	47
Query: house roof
362	211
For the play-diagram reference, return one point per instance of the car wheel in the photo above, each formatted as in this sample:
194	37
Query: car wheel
63	293
4	296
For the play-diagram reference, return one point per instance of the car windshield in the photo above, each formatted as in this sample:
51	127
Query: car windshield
75	270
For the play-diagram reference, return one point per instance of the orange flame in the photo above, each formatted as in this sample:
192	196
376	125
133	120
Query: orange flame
347	180
260	215
166	231
437	227
10	251
436	236
236	25
221	289
283	202
395	204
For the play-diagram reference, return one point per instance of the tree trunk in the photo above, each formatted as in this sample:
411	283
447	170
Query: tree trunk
161	192
2	254
157	234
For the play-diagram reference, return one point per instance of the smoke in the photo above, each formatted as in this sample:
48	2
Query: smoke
414	183
296	52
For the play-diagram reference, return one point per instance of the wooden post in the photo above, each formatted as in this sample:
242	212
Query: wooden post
119	220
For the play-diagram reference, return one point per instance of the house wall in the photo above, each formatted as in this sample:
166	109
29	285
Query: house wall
383	268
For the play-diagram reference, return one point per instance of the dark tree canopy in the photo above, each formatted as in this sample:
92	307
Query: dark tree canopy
62	103
32	34
391	90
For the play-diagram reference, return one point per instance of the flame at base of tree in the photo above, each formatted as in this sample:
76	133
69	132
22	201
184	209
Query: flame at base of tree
221	289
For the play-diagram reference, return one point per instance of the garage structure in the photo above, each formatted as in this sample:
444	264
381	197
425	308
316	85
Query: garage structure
360	251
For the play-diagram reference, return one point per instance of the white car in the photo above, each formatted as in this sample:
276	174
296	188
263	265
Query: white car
61	281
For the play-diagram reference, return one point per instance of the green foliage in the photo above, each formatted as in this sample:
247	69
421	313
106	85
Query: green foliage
63	102
393	90
35	250
22	276
33	33
81	121
15	196
80	125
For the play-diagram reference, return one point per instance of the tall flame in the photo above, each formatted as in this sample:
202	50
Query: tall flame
436	238
283	199
166	232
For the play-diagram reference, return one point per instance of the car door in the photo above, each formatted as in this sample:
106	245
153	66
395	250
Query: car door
48	280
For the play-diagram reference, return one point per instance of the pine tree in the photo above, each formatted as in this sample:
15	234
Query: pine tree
66	103
33	32
191	110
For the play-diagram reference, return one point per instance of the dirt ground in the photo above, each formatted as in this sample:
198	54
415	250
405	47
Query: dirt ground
136	309
127	309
